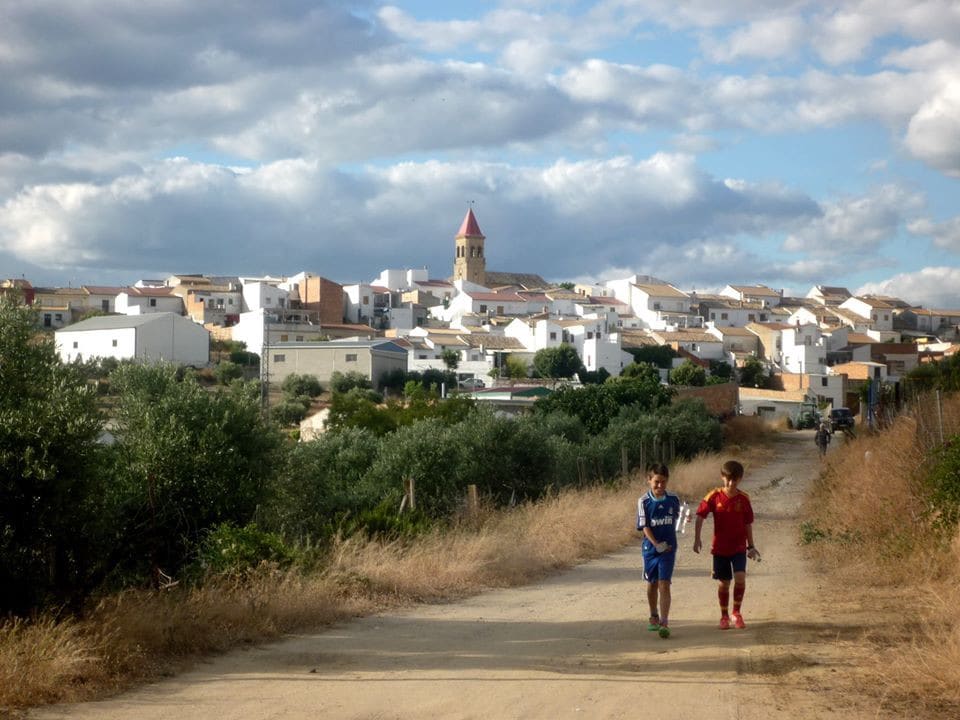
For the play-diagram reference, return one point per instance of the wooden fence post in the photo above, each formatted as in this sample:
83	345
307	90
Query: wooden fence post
409	495
473	504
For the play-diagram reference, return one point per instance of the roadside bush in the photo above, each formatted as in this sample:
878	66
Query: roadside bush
322	484
943	483
519	469
52	519
186	460
426	452
227	548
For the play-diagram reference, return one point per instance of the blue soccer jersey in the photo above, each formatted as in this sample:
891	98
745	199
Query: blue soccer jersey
660	515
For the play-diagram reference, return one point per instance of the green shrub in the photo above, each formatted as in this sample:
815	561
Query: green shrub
226	372
229	548
341	382
294	385
943	485
290	411
322	483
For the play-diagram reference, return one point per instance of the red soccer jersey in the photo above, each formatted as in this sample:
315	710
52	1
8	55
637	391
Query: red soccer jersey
731	515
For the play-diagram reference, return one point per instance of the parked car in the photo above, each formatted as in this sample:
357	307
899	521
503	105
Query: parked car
841	419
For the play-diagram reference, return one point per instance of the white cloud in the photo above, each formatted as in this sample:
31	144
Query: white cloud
852	226
933	134
945	235
932	287
769	38
178	214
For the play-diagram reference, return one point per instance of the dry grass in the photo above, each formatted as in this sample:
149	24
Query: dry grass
136	635
869	495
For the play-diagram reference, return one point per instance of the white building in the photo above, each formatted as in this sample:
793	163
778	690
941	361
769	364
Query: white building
659	306
145	300
153	337
803	350
261	295
878	313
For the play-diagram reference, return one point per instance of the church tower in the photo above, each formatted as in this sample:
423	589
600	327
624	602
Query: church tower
469	262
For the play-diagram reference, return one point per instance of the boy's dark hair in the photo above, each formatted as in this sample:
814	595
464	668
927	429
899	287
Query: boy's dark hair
657	469
732	469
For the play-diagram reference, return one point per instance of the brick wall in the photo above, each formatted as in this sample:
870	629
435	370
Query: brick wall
721	400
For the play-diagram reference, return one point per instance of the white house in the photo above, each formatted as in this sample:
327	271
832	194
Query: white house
483	303
803	349
738	342
261	295
659	306
153	337
252	328
596	347
145	300
878	313
699	343
759	294
397	279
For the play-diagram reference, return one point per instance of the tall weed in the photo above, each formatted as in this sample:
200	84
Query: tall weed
874	511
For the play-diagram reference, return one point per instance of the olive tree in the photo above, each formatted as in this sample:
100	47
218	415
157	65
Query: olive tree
49	469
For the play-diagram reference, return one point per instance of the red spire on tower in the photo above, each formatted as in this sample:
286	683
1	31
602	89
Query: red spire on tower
469	227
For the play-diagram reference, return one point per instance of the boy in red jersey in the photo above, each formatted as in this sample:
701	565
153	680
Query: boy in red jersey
732	539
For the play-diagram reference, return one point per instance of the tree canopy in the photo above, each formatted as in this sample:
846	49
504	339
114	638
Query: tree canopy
557	362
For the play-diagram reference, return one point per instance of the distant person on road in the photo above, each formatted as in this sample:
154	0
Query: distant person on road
657	515
732	539
822	438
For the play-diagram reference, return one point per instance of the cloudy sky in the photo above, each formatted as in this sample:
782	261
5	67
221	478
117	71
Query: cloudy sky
706	142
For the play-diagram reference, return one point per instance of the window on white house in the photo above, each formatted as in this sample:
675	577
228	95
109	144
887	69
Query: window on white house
75	344
723	316
499	309
153	302
553	336
366	299
351	357
113	343
483	308
284	338
279	358
299	338
823	382
58	317
105	305
590	335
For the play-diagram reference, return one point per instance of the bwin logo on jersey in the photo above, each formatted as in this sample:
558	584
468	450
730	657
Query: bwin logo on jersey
655	522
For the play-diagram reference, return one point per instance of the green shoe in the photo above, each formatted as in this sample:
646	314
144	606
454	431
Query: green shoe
664	632
653	624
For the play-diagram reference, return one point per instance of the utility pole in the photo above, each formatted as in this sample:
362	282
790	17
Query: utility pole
265	368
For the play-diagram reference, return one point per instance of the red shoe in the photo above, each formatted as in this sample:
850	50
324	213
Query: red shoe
738	621
724	622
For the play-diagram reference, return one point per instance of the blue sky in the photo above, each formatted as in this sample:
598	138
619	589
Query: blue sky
783	142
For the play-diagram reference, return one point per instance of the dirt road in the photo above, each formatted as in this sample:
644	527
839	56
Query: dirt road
573	646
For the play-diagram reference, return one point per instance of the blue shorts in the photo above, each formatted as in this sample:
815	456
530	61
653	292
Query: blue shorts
724	566
659	566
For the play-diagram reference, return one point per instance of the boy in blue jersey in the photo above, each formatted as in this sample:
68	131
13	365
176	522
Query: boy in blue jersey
657	513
